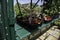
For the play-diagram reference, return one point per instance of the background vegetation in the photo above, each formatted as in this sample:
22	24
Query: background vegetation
49	7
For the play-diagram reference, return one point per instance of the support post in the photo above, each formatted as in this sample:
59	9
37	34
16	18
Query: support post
11	19
5	22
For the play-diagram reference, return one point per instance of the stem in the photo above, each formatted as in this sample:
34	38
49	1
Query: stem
19	8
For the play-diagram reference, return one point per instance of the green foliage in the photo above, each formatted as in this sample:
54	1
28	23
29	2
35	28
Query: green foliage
25	10
52	7
37	9
57	22
16	9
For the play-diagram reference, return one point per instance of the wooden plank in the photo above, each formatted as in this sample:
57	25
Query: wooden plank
50	34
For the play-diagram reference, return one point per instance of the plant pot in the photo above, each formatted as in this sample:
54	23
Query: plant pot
47	18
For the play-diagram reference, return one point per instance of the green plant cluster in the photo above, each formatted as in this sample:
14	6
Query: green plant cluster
57	22
25	10
51	7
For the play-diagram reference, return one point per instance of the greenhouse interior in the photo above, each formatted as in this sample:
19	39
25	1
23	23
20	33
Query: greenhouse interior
29	19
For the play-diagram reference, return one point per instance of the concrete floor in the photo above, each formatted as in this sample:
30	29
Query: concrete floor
52	34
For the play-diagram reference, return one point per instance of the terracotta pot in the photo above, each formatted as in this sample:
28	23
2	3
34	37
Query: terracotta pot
47	18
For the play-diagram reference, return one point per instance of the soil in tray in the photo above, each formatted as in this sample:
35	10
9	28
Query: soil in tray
34	22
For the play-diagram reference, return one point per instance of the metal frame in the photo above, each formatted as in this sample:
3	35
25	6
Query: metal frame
7	20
